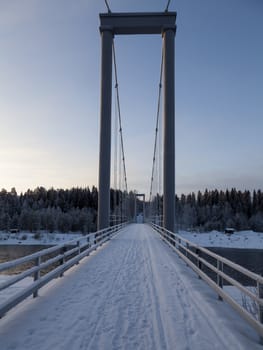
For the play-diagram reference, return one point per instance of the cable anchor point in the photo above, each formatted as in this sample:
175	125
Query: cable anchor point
167	7
107	5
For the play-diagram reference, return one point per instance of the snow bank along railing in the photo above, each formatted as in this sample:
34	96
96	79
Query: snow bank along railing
63	257
191	253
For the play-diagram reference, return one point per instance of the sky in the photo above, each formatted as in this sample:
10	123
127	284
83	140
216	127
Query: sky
50	93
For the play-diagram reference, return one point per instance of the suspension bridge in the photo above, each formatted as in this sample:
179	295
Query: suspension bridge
131	286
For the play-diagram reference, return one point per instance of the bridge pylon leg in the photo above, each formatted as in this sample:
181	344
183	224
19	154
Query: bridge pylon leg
105	129
169	131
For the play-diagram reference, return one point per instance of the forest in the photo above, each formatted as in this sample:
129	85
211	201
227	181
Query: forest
61	210
75	209
216	210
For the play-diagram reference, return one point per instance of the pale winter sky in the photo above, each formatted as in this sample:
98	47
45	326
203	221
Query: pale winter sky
49	93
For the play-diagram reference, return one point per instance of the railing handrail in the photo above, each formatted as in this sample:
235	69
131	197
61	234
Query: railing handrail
175	242
30	257
226	261
79	250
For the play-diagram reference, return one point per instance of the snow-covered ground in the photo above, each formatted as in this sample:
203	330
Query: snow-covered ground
242	239
135	293
43	238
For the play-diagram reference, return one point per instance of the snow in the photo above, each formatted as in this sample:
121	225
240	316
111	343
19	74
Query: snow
133	293
242	239
45	238
12	290
243	300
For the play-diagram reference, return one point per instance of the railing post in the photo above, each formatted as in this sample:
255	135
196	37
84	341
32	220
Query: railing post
186	253
110	233
164	234
105	234
37	274
260	307
95	241
78	244
179	243
62	261
172	237
199	263
88	240
219	278
187	247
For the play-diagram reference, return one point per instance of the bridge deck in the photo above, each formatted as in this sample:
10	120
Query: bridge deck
133	294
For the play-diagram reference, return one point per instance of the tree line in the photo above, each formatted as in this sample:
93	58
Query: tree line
216	210
75	209
53	210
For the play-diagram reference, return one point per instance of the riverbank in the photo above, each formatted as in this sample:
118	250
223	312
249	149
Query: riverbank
41	238
241	239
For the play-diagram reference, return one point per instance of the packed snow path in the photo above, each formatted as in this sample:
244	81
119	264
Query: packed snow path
134	293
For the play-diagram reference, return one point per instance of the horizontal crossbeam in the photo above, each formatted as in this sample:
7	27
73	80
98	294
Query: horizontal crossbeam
138	23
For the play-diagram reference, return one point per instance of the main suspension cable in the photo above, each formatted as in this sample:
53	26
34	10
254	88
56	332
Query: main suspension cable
115	159
167	7
107	5
157	127
119	115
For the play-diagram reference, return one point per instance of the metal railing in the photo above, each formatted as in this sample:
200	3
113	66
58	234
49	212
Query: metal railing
55	260
195	256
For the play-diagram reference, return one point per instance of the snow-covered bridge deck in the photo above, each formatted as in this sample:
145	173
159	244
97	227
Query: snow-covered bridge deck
134	293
